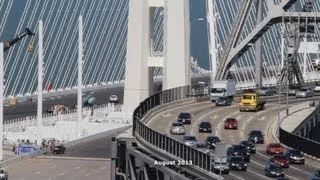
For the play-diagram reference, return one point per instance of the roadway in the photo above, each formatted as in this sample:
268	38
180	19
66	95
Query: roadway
89	160
206	111
28	108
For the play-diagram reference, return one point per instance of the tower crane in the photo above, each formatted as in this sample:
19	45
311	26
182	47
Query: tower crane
9	44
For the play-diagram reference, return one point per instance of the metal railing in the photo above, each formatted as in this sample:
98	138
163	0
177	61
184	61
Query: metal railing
293	140
168	147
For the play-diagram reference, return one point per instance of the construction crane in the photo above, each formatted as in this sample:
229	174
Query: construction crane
9	44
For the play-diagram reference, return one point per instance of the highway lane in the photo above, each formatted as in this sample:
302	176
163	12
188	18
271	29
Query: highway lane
27	108
216	116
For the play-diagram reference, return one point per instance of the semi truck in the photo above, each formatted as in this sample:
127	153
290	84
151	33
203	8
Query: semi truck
222	88
251	101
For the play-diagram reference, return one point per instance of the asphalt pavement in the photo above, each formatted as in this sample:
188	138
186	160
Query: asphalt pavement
248	121
89	160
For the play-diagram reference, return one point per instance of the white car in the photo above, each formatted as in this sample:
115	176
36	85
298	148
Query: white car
317	89
3	175
113	99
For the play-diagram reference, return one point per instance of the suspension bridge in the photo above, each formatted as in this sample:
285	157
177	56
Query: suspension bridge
105	38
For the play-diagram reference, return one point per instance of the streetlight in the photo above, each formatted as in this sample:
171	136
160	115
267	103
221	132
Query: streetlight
279	101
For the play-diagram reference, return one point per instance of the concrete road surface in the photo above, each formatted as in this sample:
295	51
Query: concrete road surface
60	169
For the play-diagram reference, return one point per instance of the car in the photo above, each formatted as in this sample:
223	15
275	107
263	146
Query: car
315	176
113	99
177	128
304	92
184	117
282	178
223	101
58	149
190	141
256	136
273	170
266	91
239	150
275	148
3	175
237	163
211	141
295	156
316	88
249	145
230	123
281	160
205	127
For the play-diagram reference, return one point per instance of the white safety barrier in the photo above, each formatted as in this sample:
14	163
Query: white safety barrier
63	126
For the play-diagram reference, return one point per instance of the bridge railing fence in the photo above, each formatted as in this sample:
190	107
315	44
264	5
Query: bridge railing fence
294	140
161	142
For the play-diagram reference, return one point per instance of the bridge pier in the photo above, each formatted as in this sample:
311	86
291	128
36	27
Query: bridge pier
141	58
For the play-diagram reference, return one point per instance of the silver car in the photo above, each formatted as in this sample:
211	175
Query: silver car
190	141
304	92
177	128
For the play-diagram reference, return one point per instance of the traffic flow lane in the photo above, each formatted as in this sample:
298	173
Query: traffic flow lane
255	124
157	121
39	169
30	108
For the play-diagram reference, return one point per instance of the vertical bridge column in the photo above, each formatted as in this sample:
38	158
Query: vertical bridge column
141	59
137	76
176	69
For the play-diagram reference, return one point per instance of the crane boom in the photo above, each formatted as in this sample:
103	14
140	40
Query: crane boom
8	45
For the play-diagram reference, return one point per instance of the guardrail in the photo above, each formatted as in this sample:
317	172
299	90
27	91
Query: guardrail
165	146
293	140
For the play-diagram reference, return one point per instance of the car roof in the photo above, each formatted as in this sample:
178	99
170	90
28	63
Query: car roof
205	122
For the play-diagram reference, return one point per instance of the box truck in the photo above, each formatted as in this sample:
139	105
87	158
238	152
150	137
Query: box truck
223	88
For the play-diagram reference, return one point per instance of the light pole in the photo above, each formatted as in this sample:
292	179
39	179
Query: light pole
279	102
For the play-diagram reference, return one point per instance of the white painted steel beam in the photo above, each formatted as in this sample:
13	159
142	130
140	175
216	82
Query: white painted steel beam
1	101
155	61
80	61
138	52
176	70
40	84
156	3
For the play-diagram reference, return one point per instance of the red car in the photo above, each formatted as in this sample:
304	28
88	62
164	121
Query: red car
275	148
230	123
282	160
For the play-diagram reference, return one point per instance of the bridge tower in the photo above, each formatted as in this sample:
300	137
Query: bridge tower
140	60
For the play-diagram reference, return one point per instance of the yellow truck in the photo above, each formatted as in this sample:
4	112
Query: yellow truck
251	102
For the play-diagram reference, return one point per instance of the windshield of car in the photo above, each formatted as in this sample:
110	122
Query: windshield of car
303	90
222	99
184	115
280	157
190	138
274	167
1	171
230	120
177	124
275	145
256	133
236	159
217	90
247	143
295	152
239	148
113	96
205	124
248	97
212	138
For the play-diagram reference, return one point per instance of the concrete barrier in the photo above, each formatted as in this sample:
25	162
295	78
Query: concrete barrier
96	136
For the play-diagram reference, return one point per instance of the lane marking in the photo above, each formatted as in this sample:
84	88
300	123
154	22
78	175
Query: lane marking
91	173
236	176
244	125
265	177
262	118
37	172
78	167
292	167
291	177
60	174
167	115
